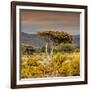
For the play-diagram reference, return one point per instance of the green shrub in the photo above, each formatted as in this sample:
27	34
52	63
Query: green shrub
27	49
48	49
66	47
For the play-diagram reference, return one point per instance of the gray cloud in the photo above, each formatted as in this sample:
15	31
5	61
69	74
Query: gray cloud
36	21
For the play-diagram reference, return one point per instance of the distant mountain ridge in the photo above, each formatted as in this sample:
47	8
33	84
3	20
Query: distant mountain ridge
32	39
36	41
76	39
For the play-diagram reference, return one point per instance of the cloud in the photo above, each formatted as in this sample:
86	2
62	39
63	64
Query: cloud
34	21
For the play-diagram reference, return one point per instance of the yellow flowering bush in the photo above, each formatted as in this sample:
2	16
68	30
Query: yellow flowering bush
62	64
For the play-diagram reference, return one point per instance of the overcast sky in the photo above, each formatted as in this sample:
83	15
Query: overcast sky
35	21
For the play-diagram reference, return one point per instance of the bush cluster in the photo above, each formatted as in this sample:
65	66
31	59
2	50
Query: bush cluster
62	64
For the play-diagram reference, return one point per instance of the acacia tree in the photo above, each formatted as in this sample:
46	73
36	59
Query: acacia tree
56	36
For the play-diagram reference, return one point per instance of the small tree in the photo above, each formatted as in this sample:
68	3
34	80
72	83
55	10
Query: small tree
27	49
56	36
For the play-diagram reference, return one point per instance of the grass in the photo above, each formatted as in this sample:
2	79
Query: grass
60	65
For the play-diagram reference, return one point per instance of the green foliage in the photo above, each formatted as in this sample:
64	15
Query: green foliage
66	47
48	49
56	36
38	50
62	47
27	49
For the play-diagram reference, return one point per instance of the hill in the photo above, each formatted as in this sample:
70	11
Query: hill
37	41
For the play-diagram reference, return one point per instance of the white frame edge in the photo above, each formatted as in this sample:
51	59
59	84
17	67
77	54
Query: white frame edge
55	79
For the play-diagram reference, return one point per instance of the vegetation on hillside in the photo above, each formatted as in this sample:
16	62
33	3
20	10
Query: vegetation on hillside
62	64
60	59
